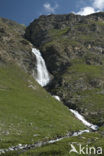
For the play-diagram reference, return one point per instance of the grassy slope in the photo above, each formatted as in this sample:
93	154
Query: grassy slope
25	112
62	148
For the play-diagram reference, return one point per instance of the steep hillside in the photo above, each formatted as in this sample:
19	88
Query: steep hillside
73	49
28	113
14	47
63	147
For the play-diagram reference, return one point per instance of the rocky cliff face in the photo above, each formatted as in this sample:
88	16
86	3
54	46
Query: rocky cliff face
14	48
73	48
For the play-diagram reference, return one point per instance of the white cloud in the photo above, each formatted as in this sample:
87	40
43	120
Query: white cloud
95	6
50	9
86	11
99	4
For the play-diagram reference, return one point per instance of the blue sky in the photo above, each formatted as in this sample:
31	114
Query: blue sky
24	11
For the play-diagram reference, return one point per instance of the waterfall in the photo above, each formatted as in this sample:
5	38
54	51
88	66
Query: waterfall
42	72
43	79
81	118
57	97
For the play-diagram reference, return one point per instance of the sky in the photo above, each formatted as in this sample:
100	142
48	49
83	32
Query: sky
25	11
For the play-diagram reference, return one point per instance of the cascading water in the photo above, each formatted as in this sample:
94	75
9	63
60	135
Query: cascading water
43	79
42	72
81	118
57	97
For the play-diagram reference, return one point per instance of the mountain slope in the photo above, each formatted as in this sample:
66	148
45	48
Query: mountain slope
75	43
14	47
28	113
63	147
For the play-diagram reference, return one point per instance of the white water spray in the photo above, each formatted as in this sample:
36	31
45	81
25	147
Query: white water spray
43	79
42	72
81	118
39	144
57	97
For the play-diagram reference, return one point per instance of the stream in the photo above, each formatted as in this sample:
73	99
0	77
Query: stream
43	79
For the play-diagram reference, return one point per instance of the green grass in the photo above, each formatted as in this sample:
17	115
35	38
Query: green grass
80	33
81	69
62	148
59	37
25	112
87	37
55	33
84	68
100	23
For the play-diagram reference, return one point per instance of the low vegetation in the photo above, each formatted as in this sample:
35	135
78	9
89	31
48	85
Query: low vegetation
28	113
